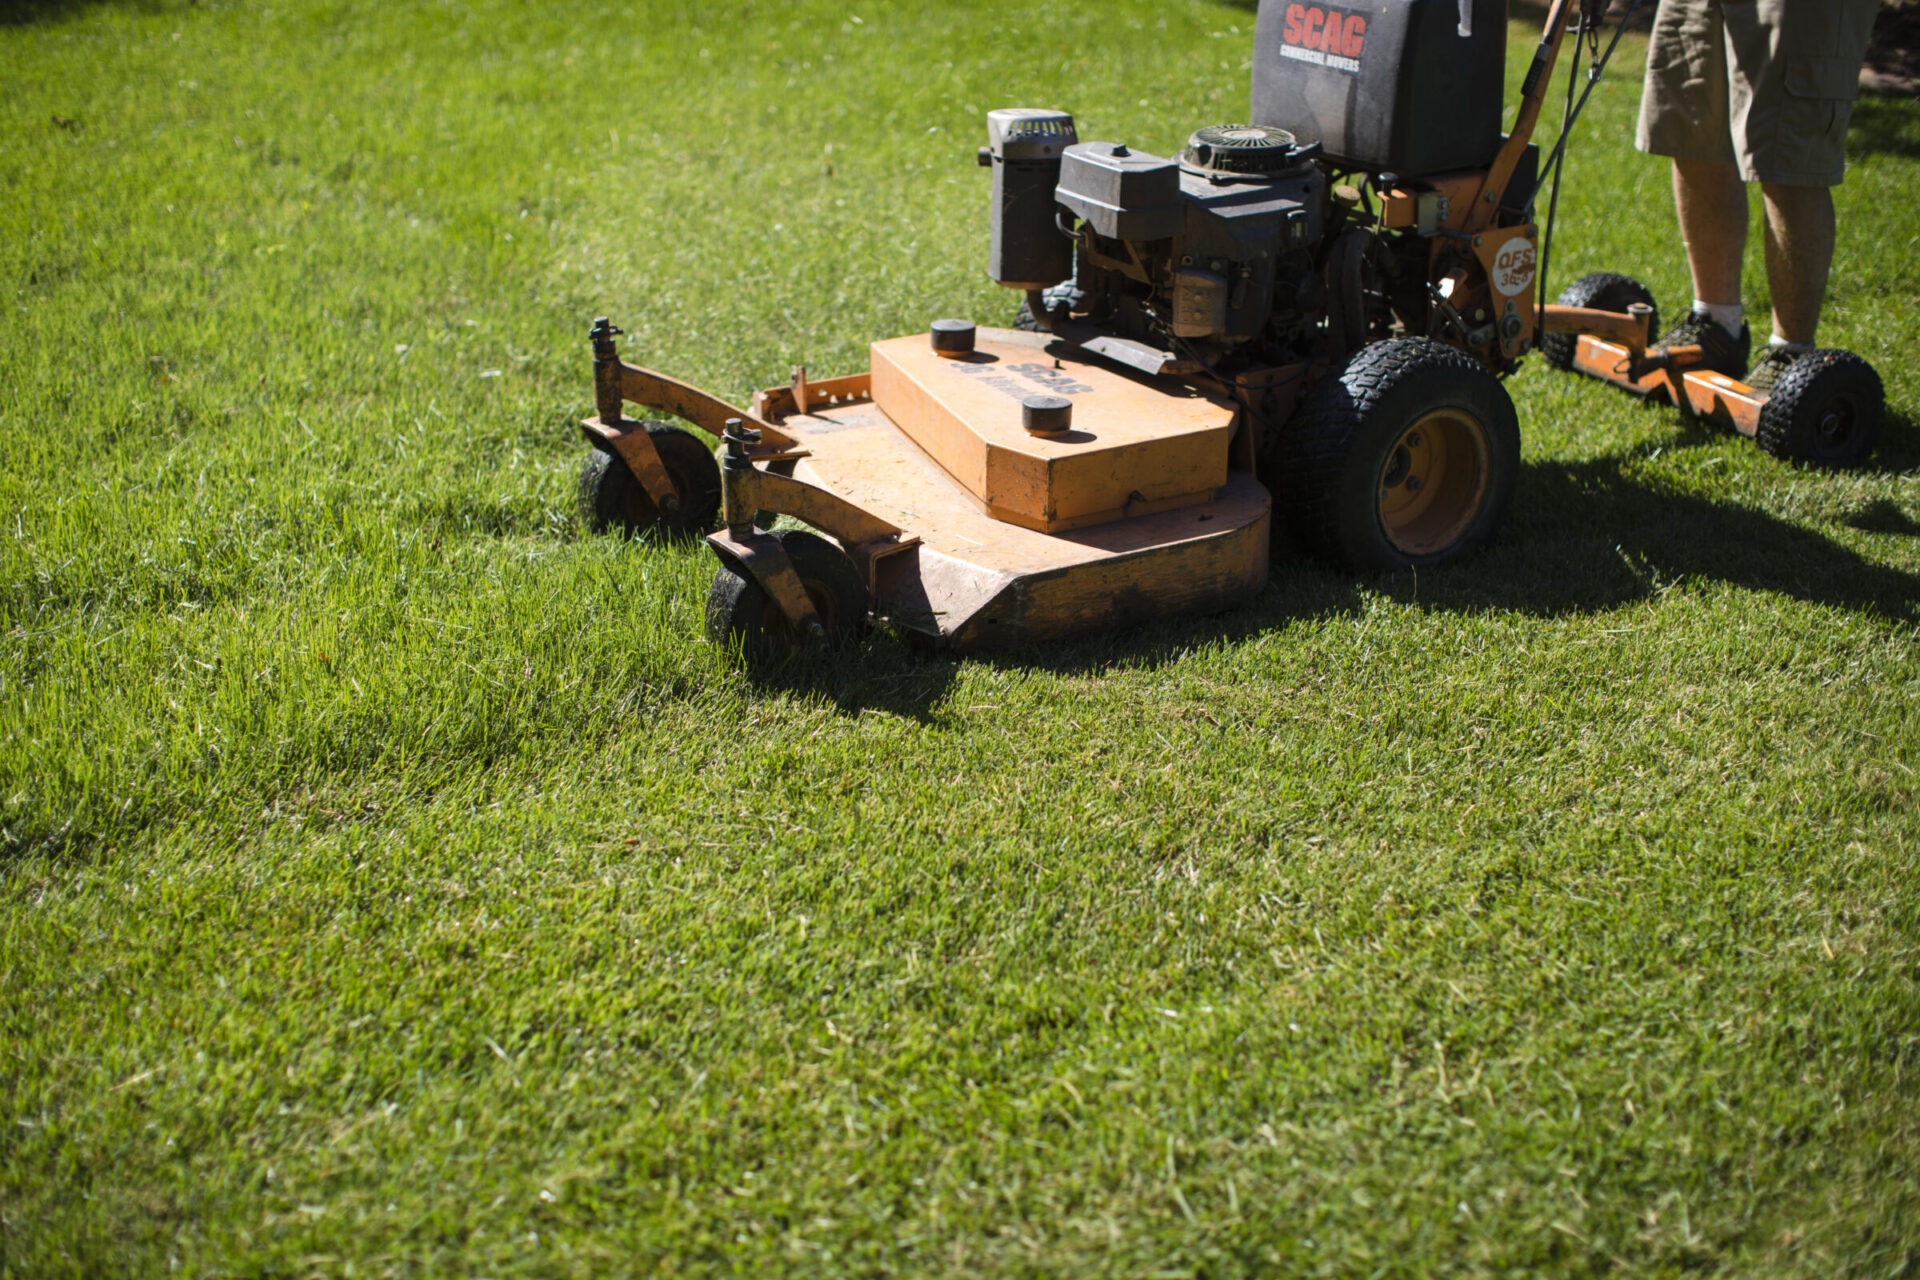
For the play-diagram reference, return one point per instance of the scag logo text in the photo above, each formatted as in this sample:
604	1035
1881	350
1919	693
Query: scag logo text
1327	30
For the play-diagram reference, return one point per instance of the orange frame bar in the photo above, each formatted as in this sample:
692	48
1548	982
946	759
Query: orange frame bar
1698	392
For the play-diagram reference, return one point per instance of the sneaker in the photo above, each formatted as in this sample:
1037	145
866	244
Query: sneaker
1767	370
1726	352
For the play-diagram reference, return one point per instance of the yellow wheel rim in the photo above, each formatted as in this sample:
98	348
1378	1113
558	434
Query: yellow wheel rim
1433	482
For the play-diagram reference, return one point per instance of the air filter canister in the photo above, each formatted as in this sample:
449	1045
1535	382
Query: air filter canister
1024	147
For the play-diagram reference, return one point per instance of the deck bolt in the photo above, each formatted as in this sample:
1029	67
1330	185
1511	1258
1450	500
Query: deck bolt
1046	415
952	338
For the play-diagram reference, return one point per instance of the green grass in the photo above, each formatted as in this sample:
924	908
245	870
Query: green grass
393	882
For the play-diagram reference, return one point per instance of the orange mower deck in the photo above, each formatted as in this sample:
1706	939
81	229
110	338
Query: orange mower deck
965	527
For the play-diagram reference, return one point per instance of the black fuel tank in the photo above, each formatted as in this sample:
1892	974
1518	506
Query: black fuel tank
1412	86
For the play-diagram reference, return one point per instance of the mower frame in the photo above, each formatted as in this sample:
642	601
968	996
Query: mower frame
783	455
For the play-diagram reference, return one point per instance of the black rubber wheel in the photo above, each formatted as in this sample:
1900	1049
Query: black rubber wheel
1825	410
740	611
1602	291
1405	456
611	496
1068	293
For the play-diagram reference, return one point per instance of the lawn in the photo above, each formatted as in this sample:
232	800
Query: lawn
394	882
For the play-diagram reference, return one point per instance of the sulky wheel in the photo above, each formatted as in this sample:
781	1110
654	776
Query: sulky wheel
1825	410
611	496
739	609
1602	291
1406	456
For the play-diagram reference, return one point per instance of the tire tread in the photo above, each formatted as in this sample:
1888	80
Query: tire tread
1786	428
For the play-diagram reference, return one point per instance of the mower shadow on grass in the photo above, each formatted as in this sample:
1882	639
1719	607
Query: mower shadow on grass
885	674
1896	453
1591	536
1582	538
893	674
1298	590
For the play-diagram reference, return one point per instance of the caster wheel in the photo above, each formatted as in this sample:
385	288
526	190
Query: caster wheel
611	496
739	611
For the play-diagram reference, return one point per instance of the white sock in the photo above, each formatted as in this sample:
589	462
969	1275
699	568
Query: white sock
1778	343
1728	315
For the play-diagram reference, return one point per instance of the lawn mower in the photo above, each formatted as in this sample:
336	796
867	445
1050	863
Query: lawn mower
1310	313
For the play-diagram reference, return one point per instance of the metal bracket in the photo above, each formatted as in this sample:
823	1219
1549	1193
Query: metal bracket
760	554
628	439
747	490
1512	328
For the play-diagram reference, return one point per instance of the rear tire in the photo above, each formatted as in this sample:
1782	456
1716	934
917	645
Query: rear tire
1602	291
612	497
1406	456
1825	410
739	610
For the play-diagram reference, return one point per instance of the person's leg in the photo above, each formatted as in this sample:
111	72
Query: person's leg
1684	110
1799	240
1711	200
1793	70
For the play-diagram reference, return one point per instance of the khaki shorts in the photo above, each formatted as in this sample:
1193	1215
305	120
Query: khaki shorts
1765	84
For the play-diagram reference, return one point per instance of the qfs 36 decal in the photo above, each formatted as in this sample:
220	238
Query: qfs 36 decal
1513	266
1324	36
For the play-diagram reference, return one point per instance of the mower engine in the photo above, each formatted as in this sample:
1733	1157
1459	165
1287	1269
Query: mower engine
1301	236
1207	252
